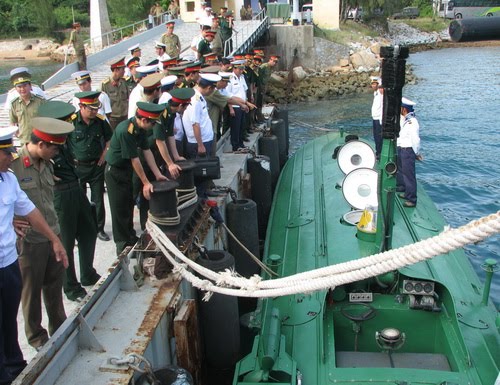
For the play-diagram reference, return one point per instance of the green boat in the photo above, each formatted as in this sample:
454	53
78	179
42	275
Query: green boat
427	323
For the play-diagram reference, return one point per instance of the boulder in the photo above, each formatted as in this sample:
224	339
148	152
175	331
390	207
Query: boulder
278	81
364	59
299	74
344	62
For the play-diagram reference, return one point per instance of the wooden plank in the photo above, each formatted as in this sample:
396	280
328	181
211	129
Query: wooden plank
188	339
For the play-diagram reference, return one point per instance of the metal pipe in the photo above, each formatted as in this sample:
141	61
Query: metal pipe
490	266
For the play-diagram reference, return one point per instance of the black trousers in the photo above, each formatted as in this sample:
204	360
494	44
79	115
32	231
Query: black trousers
11	356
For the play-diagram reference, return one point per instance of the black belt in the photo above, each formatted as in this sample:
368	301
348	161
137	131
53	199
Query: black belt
66	186
85	163
406	148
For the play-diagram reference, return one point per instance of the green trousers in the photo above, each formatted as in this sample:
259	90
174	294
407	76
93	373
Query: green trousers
93	175
77	222
121	204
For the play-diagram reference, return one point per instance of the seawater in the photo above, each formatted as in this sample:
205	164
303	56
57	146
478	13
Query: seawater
40	71
458	100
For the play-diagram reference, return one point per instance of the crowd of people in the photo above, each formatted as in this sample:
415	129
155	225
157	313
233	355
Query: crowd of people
125	134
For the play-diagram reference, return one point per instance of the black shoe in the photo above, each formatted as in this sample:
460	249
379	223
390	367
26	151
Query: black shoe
103	236
92	281
77	297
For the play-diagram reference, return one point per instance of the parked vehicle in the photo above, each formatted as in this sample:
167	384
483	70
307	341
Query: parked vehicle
407	13
307	13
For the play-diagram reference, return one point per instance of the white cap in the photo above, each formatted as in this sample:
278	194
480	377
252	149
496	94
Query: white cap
375	79
238	62
6	134
168	80
80	76
159	44
225	75
133	48
145	70
405	102
19	70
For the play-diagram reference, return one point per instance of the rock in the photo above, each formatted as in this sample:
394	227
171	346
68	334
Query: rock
28	47
364	59
298	74
375	48
278	81
344	62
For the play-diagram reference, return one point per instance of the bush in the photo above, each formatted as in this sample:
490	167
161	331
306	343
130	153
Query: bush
64	17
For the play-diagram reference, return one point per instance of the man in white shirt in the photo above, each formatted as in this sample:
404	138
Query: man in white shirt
237	87
377	110
408	147
84	83
196	121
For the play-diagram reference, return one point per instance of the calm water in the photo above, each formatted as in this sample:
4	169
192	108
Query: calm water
40	70
458	96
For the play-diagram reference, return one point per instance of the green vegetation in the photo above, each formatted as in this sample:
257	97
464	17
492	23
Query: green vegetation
349	31
50	17
428	24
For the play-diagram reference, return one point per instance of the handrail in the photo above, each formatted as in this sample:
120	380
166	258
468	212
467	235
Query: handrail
115	35
232	42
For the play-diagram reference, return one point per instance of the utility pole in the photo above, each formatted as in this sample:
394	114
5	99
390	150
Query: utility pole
100	27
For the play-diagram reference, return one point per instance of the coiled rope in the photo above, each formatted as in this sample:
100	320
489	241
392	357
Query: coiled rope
229	283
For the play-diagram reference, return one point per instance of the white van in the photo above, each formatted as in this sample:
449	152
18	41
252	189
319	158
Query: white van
307	13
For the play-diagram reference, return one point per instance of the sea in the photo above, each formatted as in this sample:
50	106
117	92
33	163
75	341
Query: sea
458	104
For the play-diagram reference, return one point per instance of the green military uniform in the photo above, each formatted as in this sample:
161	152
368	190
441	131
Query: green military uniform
216	102
226	32
118	93
172	44
21	114
203	49
76	39
130	82
126	140
217	44
40	271
87	144
73	211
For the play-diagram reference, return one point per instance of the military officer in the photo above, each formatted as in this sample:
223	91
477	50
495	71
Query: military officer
14	202
12	94
171	40
24	107
116	88
180	99
123	159
408	148
88	144
133	78
204	45
191	74
73	210
84	82
76	40
40	271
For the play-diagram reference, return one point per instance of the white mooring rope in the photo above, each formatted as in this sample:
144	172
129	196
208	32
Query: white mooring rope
229	283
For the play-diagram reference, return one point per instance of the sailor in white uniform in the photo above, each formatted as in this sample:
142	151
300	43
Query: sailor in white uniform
408	150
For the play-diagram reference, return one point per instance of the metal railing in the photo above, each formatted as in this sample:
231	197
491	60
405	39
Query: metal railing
245	35
98	43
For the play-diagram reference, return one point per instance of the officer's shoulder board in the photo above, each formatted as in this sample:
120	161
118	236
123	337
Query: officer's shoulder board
165	113
130	128
73	117
106	81
197	97
127	78
99	116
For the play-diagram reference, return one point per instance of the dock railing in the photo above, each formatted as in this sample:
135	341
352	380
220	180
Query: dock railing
244	38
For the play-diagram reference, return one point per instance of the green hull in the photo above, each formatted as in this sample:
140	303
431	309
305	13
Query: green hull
312	339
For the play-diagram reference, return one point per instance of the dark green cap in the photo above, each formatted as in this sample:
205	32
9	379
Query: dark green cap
89	99
179	70
56	109
150	110
181	95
